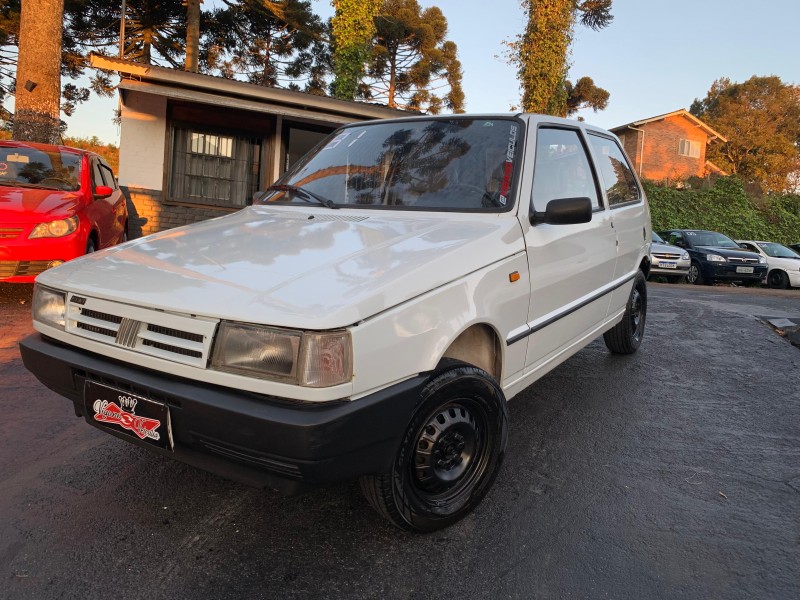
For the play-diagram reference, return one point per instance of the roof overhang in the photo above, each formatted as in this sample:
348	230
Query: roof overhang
185	85
713	135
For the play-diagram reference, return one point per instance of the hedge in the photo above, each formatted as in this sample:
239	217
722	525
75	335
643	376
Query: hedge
726	208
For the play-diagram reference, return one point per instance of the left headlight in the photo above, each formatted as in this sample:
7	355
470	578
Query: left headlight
685	256
309	359
716	258
49	306
762	260
54	229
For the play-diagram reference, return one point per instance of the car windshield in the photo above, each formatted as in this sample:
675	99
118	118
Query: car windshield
657	239
31	167
426	164
774	250
710	238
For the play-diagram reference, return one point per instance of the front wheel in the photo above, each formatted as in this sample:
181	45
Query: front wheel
778	280
626	336
695	274
450	453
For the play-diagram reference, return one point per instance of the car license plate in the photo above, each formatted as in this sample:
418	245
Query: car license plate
744	269
667	265
128	414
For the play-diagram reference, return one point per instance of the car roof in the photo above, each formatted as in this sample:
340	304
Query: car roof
44	147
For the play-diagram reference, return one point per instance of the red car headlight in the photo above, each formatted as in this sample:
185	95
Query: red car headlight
54	229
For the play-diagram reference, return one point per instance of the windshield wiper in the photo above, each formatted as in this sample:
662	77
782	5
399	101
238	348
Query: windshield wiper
305	194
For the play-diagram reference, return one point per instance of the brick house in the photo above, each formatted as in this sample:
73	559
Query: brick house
670	147
193	146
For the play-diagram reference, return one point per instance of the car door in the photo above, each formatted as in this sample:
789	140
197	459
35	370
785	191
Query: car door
117	202
101	210
570	266
625	199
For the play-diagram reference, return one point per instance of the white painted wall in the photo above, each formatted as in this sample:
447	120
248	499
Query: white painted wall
142	140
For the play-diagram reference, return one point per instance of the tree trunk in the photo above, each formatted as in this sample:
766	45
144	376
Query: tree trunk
192	34
38	89
543	56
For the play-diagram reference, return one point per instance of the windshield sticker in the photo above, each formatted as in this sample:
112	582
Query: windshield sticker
337	140
358	137
20	158
508	169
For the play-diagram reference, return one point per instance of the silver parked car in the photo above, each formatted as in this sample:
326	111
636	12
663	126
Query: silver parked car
668	261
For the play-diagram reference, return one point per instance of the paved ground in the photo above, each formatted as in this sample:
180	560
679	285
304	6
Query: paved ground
674	473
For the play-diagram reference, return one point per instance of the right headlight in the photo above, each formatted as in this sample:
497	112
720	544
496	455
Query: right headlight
55	229
49	306
716	258
310	359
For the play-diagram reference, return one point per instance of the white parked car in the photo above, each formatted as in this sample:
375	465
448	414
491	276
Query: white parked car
668	261
783	263
370	315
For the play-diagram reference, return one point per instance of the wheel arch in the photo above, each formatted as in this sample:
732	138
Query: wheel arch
478	345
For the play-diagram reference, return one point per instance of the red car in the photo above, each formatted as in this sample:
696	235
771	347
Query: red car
56	203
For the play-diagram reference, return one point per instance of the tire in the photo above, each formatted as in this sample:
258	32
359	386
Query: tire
90	247
450	453
695	274
777	279
676	278
626	336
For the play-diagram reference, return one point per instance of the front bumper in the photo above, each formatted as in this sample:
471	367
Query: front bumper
247	437
727	272
22	259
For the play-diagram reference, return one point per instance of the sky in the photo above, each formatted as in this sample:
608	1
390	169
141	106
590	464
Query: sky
654	58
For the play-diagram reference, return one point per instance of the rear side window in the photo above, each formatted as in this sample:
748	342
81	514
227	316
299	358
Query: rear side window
561	169
108	176
618	179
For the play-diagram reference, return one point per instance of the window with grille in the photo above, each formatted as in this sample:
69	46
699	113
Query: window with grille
689	148
215	168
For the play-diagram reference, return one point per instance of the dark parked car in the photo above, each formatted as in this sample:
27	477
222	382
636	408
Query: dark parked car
795	247
716	257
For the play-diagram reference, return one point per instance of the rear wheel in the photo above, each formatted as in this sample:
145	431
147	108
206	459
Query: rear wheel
778	279
626	336
450	453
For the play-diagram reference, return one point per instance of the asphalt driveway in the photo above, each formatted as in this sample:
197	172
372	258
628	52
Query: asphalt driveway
672	473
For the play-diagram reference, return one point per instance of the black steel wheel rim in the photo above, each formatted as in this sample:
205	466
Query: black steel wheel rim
450	451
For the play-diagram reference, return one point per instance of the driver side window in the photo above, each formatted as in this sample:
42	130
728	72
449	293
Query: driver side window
561	168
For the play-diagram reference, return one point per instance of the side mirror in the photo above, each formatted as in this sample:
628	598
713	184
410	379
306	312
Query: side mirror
102	191
564	211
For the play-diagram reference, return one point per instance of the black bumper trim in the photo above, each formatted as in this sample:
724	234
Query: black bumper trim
255	439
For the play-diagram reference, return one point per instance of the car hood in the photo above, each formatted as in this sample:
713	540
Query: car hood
666	249
29	205
729	252
294	267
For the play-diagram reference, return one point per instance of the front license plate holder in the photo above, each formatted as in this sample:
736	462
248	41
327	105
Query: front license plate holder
128	414
744	269
668	265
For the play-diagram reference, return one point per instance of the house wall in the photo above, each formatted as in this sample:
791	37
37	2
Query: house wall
660	159
144	127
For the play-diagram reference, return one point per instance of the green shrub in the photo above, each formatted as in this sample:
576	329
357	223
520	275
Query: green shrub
726	208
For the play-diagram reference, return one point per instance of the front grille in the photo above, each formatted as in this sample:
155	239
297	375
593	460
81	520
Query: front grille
25	268
666	256
9	233
748	261
177	338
